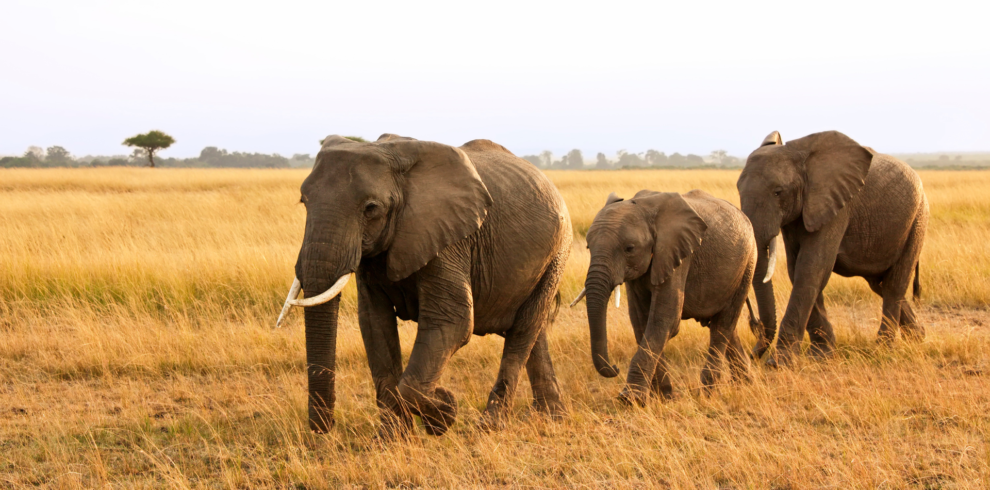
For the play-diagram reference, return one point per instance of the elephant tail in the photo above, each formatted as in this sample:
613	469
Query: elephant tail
755	325
917	281
553	311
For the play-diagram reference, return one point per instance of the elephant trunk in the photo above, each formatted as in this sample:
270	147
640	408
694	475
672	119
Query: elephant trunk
321	362
599	288
320	264
766	304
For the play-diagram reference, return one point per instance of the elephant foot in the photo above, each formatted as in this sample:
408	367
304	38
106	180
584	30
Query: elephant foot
821	352
394	426
914	334
441	415
885	341
664	394
662	389
783	357
320	420
739	368
630	397
759	349
491	422
709	378
772	363
553	408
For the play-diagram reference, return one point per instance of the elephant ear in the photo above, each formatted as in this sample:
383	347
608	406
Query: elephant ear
679	231
444	201
332	141
336	140
772	139
386	137
612	197
836	169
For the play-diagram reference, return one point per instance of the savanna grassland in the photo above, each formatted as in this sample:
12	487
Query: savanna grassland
137	350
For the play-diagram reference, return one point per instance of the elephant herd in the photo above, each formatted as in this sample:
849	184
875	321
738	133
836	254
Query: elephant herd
474	240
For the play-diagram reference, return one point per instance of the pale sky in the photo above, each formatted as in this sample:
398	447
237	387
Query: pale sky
276	77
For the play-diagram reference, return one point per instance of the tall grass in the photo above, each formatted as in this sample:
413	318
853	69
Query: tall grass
136	349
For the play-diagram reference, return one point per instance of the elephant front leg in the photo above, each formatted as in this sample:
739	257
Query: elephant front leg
820	331
793	325
418	388
643	368
664	318
662	385
380	334
446	321
812	270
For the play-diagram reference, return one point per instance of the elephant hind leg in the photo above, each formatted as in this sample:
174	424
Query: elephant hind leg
526	344
913	330
724	343
893	289
543	380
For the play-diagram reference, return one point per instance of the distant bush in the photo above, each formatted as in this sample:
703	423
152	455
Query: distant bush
214	157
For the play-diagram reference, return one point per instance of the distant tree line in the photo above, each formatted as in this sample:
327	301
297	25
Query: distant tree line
574	160
211	156
948	162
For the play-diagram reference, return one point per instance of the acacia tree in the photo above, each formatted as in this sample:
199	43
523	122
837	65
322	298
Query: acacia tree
150	142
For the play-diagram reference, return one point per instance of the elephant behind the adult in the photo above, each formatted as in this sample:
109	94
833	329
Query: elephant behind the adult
843	208
461	240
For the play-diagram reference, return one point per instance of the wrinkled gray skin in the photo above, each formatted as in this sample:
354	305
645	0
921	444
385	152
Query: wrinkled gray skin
680	256
841	208
461	240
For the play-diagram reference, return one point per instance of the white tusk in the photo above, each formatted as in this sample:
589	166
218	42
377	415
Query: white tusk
771	264
327	295
618	294
293	294
579	297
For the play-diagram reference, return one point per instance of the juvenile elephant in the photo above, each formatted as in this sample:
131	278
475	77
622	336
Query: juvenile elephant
841	208
461	240
680	256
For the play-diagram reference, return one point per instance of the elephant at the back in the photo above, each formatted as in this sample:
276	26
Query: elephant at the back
680	256
469	240
841	208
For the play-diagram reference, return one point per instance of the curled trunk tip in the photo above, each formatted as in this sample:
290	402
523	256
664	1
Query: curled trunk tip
605	369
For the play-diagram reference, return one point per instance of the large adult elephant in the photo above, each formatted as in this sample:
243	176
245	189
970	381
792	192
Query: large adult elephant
841	208
461	240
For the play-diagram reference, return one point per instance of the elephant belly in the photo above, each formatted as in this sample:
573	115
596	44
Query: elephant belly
881	220
501	289
712	285
718	268
701	303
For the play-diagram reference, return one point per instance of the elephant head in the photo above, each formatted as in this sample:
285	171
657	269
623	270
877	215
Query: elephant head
651	233
809	179
407	198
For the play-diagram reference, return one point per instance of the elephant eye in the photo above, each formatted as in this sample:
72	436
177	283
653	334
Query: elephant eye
629	249
777	192
370	208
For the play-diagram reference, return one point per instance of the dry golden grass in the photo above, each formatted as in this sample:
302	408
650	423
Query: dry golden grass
136	349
